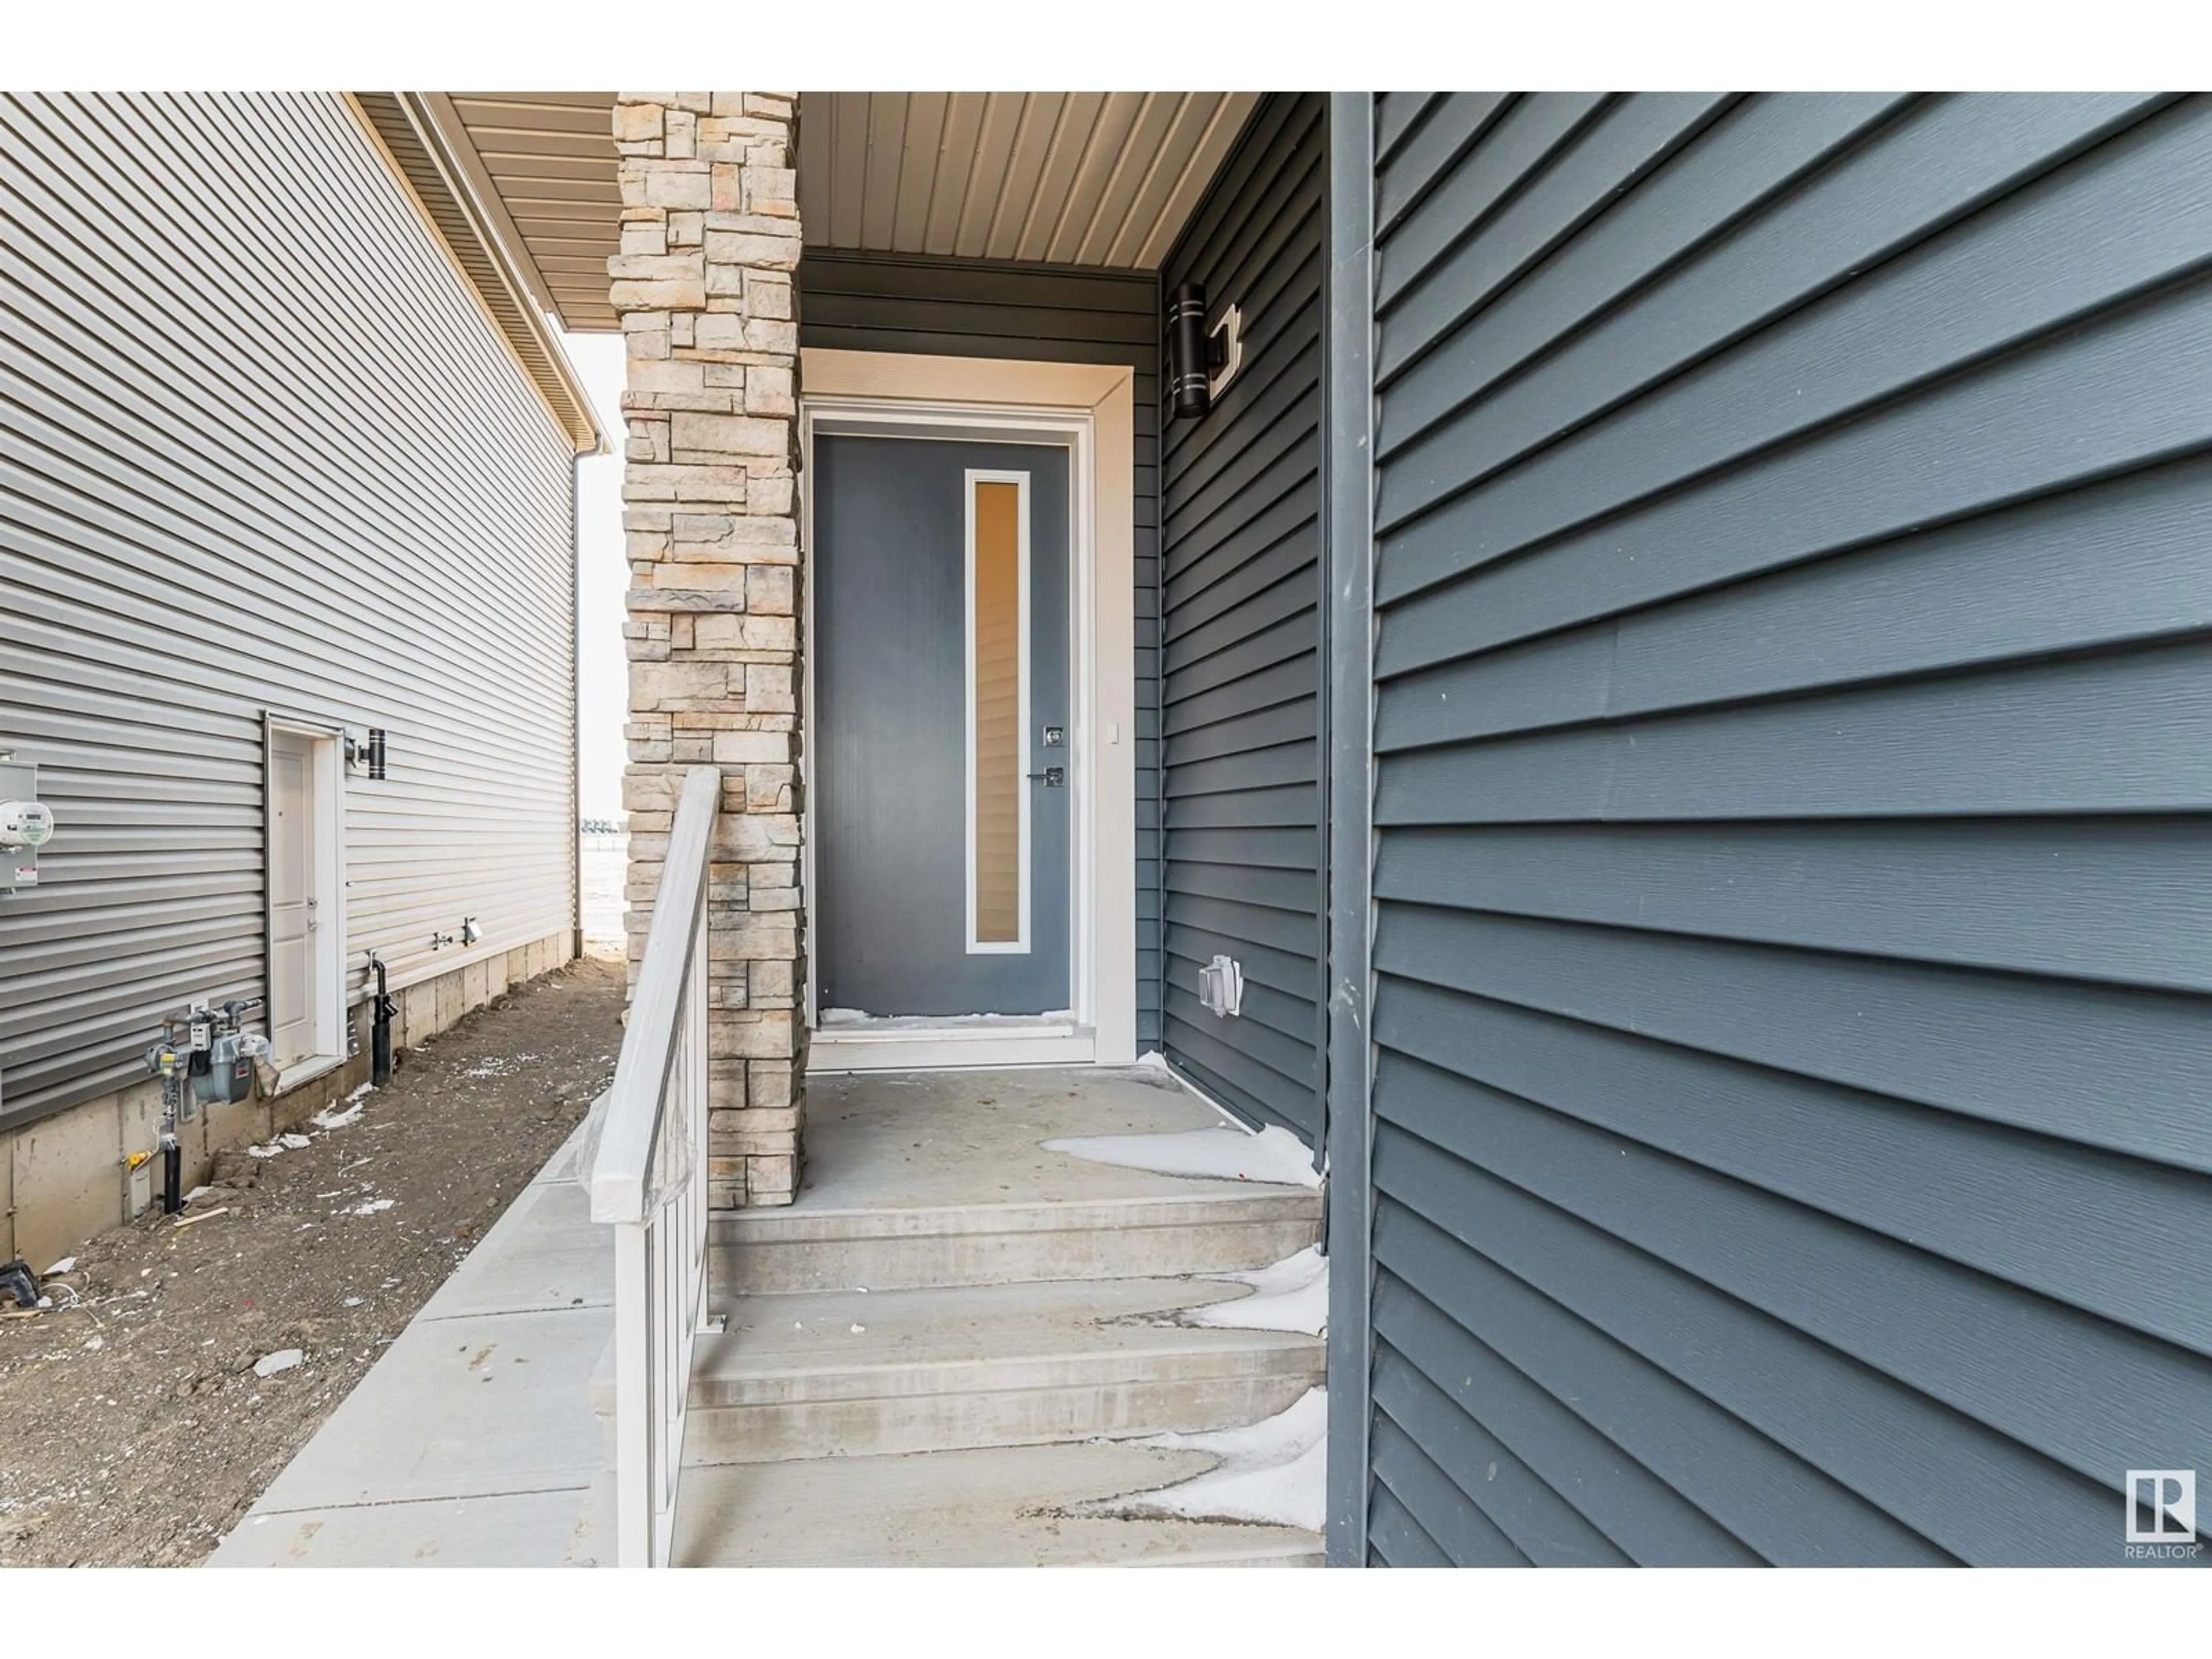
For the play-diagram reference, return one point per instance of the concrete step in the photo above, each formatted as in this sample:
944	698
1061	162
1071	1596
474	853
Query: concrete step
945	1178
1214	1228
850	1374
1000	1507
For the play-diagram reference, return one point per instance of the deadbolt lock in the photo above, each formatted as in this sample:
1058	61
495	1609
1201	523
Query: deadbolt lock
1054	736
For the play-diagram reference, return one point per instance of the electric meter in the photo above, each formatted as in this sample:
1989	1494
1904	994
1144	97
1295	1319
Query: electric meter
25	823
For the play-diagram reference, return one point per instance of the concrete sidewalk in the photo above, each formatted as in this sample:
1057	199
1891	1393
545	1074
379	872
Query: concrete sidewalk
472	1443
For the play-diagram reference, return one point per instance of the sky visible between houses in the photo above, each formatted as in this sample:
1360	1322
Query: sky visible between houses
602	678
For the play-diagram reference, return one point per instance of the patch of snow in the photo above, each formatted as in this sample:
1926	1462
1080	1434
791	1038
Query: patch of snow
330	1118
194	1197
60	1267
1292	1295
1274	1155
272	1150
372	1207
295	1142
365	1089
1274	1472
353	1302
283	1360
858	1329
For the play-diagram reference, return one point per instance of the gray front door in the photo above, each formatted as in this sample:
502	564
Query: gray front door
940	766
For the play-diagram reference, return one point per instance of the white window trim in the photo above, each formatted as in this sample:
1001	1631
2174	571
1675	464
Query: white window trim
1091	409
1019	945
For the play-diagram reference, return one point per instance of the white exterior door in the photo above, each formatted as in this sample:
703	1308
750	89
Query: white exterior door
293	903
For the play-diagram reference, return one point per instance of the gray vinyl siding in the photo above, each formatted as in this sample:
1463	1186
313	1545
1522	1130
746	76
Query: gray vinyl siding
1240	674
958	308
260	450
1792	1037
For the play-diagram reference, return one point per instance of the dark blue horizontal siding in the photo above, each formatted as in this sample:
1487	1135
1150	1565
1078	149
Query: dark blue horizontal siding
1241	712
1793	659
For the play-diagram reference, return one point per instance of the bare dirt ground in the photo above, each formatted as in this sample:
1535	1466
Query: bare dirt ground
137	1431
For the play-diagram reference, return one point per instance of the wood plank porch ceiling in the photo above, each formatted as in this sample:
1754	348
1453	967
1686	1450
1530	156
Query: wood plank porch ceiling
1061	178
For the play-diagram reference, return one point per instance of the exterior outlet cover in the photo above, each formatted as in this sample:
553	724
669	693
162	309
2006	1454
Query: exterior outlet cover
1221	987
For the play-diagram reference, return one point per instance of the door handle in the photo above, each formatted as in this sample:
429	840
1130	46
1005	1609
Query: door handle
1055	777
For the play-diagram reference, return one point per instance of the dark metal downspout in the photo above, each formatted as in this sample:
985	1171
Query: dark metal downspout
1348	502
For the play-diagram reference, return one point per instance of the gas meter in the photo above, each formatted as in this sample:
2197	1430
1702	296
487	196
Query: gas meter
27	824
202	1055
203	1045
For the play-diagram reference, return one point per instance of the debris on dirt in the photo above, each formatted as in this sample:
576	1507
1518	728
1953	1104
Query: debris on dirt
203	1215
373	1206
296	1142
144	1450
332	1118
60	1267
283	1360
16	1280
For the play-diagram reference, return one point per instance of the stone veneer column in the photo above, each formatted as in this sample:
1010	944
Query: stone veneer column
703	284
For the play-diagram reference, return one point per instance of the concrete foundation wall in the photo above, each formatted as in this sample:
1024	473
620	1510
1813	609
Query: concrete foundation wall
64	1178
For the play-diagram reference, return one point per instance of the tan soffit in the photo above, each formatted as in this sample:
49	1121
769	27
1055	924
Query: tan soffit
546	160
1063	178
481	250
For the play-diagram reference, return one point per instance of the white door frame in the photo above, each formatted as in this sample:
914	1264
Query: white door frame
1091	409
326	804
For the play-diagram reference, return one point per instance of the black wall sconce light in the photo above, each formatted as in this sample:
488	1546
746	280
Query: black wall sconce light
366	754
1201	360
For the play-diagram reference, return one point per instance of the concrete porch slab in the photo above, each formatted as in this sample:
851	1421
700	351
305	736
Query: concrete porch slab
923	1140
941	1178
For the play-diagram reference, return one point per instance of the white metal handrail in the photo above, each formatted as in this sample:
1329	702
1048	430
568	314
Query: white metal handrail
648	1180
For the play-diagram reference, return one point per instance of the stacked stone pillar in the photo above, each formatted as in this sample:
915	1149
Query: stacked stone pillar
710	239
